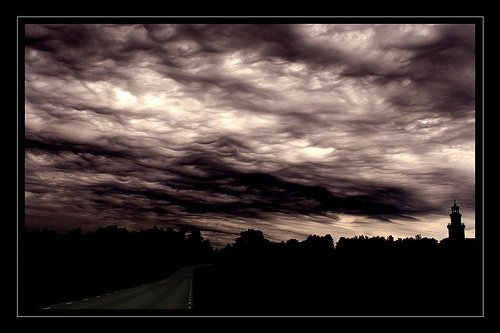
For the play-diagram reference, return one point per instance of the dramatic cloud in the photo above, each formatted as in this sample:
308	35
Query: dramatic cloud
292	129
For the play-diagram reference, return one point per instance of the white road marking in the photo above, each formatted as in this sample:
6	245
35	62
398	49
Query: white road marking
97	296
115	292
85	299
190	298
47	308
108	294
69	303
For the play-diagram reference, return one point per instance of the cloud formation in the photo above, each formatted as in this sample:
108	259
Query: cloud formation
294	129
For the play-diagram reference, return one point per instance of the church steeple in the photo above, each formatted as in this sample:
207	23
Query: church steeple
456	229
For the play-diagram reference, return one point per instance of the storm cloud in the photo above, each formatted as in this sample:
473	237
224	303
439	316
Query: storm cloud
291	129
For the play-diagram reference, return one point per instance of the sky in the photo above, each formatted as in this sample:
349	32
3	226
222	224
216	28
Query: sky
290	129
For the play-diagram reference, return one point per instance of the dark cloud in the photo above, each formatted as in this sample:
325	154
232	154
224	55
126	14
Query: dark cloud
293	129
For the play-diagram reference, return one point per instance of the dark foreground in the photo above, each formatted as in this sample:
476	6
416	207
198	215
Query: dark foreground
61	268
164	272
442	283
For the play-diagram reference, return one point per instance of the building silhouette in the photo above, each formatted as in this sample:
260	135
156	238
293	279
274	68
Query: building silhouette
456	229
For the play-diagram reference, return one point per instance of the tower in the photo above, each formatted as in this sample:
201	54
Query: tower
456	229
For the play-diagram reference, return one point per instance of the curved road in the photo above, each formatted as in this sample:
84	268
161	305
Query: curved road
174	292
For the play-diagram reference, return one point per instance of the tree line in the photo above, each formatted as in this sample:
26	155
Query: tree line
358	275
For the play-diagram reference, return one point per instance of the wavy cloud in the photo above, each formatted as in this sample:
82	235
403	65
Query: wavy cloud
293	129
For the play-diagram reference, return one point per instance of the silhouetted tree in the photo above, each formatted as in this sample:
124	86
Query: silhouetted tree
320	244
251	240
292	244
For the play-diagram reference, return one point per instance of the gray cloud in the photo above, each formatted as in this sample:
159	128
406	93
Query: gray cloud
226	127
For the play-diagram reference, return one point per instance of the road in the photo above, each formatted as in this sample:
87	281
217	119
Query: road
174	292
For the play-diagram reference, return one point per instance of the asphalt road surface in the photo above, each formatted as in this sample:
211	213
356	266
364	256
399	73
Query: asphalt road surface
174	292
